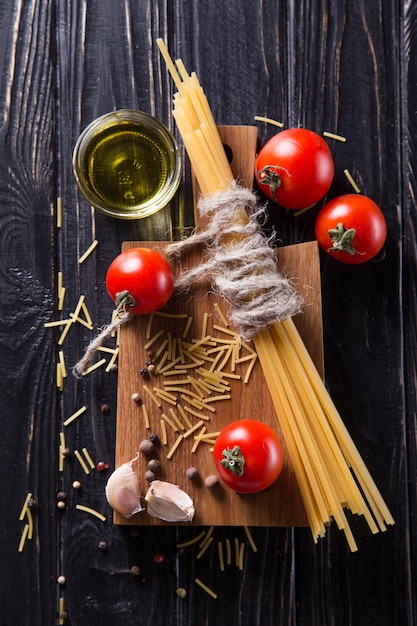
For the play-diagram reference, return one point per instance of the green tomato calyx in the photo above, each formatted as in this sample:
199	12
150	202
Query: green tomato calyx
342	239
125	302
268	175
233	461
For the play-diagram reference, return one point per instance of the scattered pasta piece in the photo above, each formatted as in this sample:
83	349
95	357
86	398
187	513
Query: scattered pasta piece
175	446
237	551
61	611
192	541
81	321
145	416
250	368
196	413
112	360
207	537
334	136
149	326
250	539
205	546
221	314
164	435
57	323
59	377
23	537
81	461
59	212
61	456
176	419
153	339
65	332
94	367
87	253
74	416
268	120
62	363
177	316
25	506
192	429
88	458
87	509
351	180
241	553
187	327
184	415
169	422
228	552
221	556
205	588
152	396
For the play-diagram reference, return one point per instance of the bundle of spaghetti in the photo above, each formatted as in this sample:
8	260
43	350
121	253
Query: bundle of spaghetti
330	472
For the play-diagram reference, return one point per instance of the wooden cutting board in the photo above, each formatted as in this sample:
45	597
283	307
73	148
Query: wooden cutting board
280	504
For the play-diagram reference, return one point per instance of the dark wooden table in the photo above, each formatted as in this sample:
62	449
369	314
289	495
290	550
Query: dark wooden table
346	67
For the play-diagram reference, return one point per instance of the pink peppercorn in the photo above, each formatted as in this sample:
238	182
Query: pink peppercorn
159	558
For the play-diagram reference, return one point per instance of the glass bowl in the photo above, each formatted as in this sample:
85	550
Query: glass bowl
127	164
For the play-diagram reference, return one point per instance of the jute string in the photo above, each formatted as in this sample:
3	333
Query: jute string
82	365
240	266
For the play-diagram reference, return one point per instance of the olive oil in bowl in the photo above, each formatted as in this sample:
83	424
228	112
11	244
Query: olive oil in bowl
127	164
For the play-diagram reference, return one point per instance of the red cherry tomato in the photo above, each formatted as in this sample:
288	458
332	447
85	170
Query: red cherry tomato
248	456
351	228
295	168
139	280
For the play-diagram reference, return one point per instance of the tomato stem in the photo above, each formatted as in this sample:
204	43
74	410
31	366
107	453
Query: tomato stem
233	461
125	302
268	175
342	239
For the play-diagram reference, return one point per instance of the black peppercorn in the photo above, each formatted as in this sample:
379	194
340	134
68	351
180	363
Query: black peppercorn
211	482
149	476
146	447
192	473
154	465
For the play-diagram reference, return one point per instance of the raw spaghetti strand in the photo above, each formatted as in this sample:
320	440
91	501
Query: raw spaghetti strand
337	424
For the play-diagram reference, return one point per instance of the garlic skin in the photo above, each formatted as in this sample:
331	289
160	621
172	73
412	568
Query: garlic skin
169	502
122	490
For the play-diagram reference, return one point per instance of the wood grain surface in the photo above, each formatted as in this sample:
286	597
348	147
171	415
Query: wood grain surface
279	505
344	67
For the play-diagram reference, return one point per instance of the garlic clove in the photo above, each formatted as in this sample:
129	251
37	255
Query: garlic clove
169	502
122	490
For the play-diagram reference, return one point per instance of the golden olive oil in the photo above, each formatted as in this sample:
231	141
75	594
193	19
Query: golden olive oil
126	167
127	164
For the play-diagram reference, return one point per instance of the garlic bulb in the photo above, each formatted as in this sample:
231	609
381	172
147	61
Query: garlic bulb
169	502
122	490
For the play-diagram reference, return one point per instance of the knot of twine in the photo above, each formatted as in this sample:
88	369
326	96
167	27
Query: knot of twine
241	262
